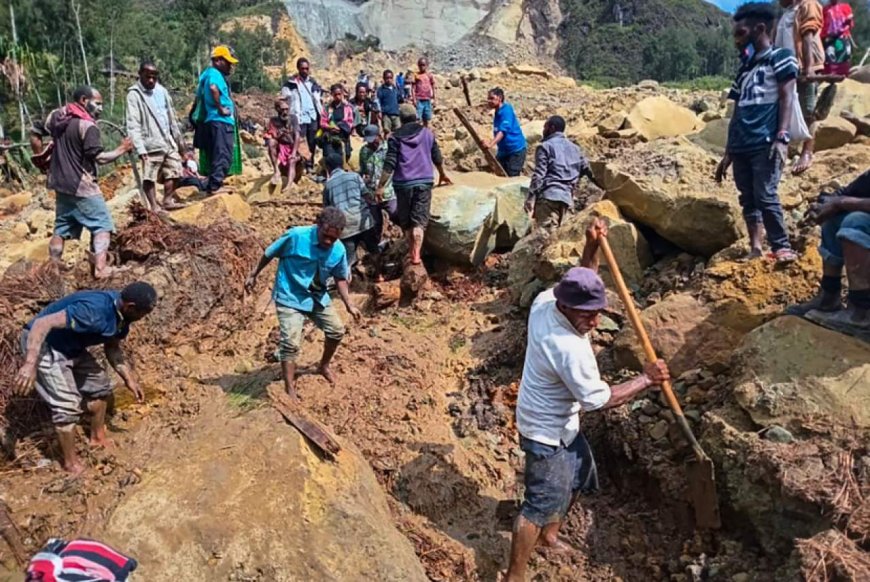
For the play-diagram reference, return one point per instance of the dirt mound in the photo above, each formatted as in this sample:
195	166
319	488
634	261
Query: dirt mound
259	504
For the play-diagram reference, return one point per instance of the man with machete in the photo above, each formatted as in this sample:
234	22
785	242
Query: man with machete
561	378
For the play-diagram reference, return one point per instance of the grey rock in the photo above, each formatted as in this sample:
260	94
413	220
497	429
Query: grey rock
778	434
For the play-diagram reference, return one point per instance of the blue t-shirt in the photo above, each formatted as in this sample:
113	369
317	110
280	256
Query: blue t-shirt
505	121
212	76
756	92
304	267
92	318
388	97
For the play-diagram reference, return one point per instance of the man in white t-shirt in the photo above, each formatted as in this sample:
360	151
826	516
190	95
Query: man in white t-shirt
560	378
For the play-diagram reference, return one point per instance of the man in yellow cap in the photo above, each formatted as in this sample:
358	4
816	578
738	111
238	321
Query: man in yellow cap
214	115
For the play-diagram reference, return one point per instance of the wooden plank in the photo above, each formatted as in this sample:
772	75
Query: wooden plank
464	82
313	430
494	166
10	532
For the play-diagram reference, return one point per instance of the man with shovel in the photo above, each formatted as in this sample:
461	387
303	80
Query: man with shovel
561	378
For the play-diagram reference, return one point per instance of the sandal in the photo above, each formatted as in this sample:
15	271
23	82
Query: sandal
784	256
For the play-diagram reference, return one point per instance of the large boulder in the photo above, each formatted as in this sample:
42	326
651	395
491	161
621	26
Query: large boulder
834	132
258	503
669	187
852	96
656	117
566	246
746	294
793	373
714	137
611	123
684	332
213	209
477	214
534	132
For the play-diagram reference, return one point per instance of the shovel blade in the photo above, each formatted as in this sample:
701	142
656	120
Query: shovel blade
702	493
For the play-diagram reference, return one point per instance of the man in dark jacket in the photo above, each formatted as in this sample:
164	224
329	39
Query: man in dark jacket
76	151
411	152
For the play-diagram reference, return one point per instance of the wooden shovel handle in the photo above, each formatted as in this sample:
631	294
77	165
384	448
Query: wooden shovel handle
636	322
648	349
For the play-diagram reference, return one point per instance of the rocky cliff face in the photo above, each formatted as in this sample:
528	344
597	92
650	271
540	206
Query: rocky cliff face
397	23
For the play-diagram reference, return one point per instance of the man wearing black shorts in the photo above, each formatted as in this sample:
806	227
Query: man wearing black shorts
411	152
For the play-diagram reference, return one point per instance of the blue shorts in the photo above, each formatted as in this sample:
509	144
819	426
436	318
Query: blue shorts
424	109
554	476
851	226
73	213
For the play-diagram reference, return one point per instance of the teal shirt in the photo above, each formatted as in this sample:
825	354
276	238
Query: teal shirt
212	76
304	267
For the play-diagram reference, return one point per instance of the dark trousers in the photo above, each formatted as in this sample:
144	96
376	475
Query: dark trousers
220	142
756	175
514	163
309	132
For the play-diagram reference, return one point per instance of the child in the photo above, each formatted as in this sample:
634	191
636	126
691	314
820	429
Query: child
423	91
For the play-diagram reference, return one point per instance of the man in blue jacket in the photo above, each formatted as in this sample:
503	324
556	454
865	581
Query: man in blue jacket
507	134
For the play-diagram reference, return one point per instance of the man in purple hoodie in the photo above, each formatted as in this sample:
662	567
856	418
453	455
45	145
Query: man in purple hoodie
411	152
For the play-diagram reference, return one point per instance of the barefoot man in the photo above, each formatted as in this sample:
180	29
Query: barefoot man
560	378
308	257
67	376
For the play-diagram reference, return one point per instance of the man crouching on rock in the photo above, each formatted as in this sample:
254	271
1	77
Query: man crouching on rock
307	257
560	378
55	345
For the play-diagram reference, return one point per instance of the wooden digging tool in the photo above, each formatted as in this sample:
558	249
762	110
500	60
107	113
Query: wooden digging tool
10	532
494	166
309	427
134	163
702	481
464	82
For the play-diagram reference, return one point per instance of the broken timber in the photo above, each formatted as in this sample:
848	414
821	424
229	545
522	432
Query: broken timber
464	82
12	534
494	166
309	427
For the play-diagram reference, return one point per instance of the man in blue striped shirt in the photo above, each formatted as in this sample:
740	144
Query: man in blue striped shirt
758	135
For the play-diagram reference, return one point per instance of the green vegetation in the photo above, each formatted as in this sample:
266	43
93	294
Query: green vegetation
176	34
615	42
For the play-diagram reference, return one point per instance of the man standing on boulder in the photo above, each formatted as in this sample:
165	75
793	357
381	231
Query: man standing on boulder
77	149
55	345
308	257
799	30
157	138
560	378
305	97
845	220
216	135
758	135
507	134
559	165
411	152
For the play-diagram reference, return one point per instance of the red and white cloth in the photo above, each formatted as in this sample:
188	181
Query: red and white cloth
79	561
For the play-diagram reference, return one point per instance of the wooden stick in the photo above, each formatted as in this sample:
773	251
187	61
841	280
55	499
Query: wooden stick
494	166
464	82
309	427
648	350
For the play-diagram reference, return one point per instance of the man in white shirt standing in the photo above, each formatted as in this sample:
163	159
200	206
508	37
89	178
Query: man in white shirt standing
305	98
560	378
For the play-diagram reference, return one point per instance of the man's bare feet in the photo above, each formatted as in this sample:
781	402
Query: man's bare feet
276	178
326	372
102	442
803	164
74	468
107	272
555	544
